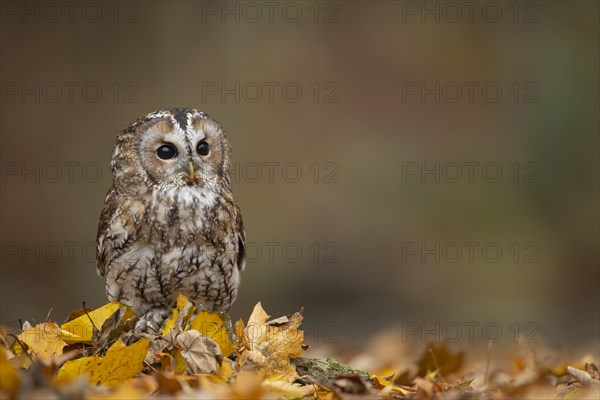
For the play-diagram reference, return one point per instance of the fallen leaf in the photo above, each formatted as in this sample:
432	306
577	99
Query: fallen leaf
425	388
584	377
159	351
179	366
77	313
120	363
179	316
270	347
438	357
81	329
114	327
201	354
322	393
387	387
43	340
4	338
213	325
247	385
280	386
528	372
224	374
592	370
9	378
168	384
127	391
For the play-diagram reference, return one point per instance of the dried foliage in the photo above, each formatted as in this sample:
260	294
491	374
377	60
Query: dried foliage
95	354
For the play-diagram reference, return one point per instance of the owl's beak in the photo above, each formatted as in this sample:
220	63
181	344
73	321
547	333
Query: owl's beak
192	170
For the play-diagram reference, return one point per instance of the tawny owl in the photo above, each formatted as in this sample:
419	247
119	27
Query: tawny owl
170	224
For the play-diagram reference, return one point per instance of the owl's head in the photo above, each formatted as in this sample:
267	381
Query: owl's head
171	148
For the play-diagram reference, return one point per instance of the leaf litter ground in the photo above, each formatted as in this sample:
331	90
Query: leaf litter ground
96	354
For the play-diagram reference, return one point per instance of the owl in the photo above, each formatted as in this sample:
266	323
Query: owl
170	224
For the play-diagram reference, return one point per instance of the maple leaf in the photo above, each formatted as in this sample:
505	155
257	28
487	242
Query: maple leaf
201	354
266	349
43	340
114	327
82	328
214	326
179	316
120	363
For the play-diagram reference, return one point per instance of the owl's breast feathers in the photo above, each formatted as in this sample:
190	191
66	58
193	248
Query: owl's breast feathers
167	220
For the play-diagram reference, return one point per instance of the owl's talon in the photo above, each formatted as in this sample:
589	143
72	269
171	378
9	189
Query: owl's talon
151	322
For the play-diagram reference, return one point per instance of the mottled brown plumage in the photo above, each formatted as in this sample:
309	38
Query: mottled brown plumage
170	224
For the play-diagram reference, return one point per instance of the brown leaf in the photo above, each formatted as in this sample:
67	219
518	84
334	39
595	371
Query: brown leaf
583	376
168	384
591	369
202	355
159	349
425	388
438	357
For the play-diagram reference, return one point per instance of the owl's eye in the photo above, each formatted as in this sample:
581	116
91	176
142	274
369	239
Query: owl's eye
202	148
166	152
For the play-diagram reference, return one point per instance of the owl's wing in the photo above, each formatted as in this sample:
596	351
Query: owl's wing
241	234
112	234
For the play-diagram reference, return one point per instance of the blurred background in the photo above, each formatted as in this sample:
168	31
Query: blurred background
428	166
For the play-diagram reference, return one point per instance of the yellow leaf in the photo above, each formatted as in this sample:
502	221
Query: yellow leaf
388	388
224	373
250	385
268	346
43	340
322	393
259	316
247	385
181	301
179	366
73	369
120	363
182	304
9	378
280	386
212	325
81	328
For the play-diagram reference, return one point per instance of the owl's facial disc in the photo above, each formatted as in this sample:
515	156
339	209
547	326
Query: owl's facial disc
175	157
